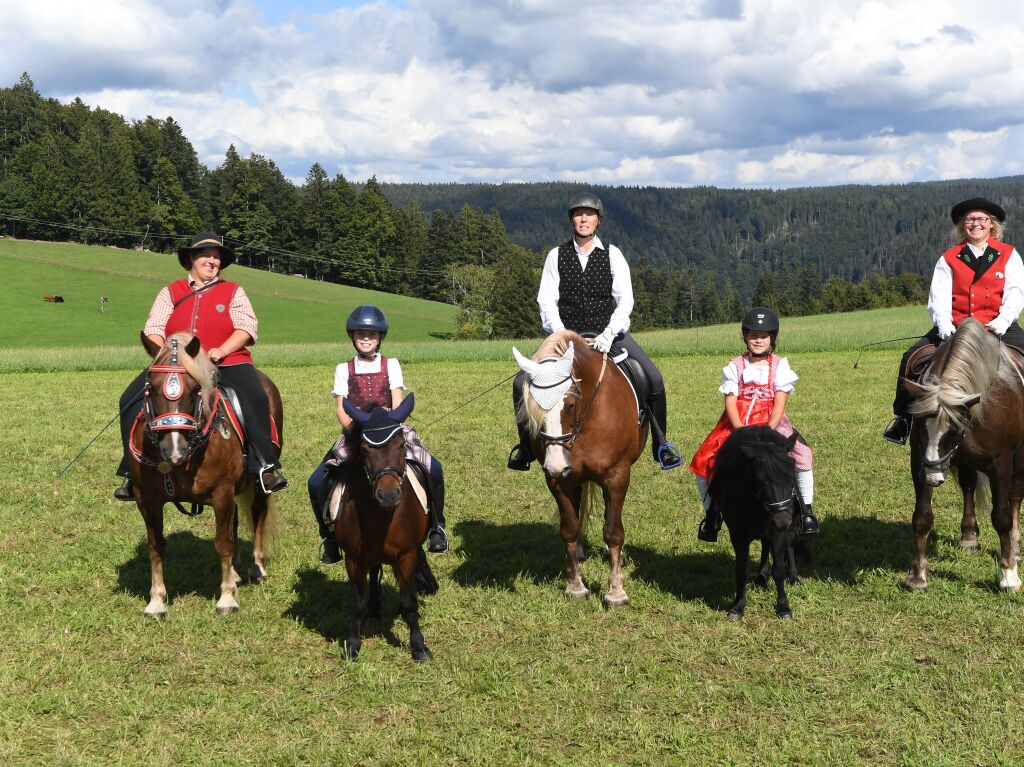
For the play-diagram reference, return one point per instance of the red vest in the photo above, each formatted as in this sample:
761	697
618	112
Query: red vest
206	316
974	296
365	389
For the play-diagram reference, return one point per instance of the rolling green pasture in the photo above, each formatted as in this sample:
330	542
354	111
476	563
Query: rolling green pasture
866	674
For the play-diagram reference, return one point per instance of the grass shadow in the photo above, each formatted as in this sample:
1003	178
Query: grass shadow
323	603
191	566
498	555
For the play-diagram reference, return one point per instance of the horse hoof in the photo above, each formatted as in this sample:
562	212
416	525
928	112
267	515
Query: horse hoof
422	656
616	601
786	615
227	610
156	616
257	574
915	584
970	545
735	615
577	593
349	653
795	581
761	582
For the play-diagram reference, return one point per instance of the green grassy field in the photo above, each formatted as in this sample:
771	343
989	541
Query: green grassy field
865	674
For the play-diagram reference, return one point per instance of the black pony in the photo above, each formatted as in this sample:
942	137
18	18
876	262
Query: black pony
754	489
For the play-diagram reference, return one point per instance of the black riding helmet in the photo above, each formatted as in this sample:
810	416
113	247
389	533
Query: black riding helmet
367	317
761	318
586	200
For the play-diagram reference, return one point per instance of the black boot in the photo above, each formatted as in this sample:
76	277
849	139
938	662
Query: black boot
125	492
709	526
271	481
808	522
522	454
521	457
330	554
437	538
897	431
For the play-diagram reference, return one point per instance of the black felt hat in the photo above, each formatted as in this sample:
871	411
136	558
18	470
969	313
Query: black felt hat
202	241
961	209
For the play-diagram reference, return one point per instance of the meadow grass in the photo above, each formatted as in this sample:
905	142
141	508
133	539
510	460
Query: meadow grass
865	674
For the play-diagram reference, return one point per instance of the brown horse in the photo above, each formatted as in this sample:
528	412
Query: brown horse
382	521
969	414
584	420
187	447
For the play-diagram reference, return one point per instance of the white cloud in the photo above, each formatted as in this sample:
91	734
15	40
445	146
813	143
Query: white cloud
760	93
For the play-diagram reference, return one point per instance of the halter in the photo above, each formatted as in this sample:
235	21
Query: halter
578	419
943	461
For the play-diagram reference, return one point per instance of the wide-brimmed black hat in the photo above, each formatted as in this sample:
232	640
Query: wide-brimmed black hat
961	209
202	241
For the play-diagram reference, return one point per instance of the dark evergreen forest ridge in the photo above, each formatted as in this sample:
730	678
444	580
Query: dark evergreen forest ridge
698	255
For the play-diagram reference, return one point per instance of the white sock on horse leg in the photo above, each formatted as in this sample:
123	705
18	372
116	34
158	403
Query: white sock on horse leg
805	485
702	488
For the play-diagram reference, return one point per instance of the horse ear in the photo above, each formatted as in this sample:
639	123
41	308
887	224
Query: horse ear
193	347
151	348
528	366
404	408
357	415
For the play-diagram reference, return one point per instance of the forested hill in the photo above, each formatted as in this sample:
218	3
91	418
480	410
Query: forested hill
846	231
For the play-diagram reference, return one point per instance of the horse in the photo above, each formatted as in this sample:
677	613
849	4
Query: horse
382	521
187	446
584	418
754	489
968	414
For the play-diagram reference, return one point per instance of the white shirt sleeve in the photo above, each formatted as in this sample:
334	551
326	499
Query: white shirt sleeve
730	380
547	295
395	374
785	377
340	381
622	291
940	296
1013	289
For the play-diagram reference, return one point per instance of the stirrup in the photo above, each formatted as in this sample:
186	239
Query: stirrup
668	456
125	492
516	461
708	530
330	554
437	540
897	431
279	484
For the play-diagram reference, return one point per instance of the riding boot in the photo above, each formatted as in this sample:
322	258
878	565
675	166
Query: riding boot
665	453
522	454
808	522
329	552
709	526
125	492
437	538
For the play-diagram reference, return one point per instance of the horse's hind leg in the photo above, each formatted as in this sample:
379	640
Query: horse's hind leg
763	569
373	602
614	536
742	550
967	478
262	510
357	578
405	571
1002	521
224	544
156	545
779	546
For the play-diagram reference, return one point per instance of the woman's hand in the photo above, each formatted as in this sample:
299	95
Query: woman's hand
216	354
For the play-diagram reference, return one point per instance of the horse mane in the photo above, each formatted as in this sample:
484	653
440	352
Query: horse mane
975	362
555	345
200	367
731	462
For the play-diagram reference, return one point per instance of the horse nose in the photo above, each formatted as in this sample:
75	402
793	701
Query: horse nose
934	479
388	497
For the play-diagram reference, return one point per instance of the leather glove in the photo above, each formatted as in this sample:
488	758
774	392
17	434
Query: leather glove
998	326
604	341
946	329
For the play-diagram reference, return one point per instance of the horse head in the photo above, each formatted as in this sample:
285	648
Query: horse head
382	440
551	385
949	398
178	393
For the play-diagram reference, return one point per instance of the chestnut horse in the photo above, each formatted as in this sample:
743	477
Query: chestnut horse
187	447
584	420
968	413
381	521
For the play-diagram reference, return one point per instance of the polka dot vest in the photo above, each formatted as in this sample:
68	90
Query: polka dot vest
585	302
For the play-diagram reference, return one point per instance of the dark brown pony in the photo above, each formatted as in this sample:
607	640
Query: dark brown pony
969	414
187	448
584	422
381	521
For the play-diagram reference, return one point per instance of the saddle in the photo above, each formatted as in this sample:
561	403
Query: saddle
237	416
919	361
637	379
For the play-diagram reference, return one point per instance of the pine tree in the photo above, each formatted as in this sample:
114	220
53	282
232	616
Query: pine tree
514	297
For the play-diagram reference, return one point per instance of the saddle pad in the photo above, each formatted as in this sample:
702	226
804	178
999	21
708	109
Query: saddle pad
333	507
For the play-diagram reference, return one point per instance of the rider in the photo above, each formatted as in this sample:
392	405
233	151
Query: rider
586	287
220	314
756	386
370	378
980	277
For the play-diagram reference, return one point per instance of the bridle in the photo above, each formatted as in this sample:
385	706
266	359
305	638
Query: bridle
569	439
388	432
943	462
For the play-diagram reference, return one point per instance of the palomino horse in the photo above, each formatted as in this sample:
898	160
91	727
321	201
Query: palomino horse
969	413
584	421
754	489
187	447
382	521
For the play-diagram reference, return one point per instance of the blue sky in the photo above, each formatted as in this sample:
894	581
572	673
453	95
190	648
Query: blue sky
731	93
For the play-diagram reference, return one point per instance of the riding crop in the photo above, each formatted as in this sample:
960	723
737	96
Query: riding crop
879	343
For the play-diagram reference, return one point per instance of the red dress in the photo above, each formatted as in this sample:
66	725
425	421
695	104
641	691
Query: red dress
754	403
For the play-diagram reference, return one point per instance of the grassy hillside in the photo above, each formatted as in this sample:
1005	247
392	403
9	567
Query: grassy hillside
290	309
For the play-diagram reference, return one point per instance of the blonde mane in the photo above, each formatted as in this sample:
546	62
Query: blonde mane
200	367
976	361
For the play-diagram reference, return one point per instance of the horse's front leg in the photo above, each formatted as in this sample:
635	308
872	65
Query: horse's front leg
921	522
967	478
779	545
614	493
224	544
405	572
357	579
1002	521
569	529
153	515
763	568
742	550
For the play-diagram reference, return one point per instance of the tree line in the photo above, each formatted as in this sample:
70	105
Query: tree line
699	256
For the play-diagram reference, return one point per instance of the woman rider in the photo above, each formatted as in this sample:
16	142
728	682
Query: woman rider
980	277
219	313
586	287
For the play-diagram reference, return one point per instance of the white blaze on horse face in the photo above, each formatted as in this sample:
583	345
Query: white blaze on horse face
173	447
557	460
934	430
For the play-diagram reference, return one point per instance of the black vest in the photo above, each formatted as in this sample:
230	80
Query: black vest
585	302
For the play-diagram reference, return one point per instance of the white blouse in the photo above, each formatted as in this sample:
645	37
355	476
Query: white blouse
758	374
366	366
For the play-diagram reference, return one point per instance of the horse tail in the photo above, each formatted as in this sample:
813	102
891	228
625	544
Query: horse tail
590	496
982	496
271	520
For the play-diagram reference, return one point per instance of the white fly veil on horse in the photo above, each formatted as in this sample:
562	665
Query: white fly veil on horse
550	378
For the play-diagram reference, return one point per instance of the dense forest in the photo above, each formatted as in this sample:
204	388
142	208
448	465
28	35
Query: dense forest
698	255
